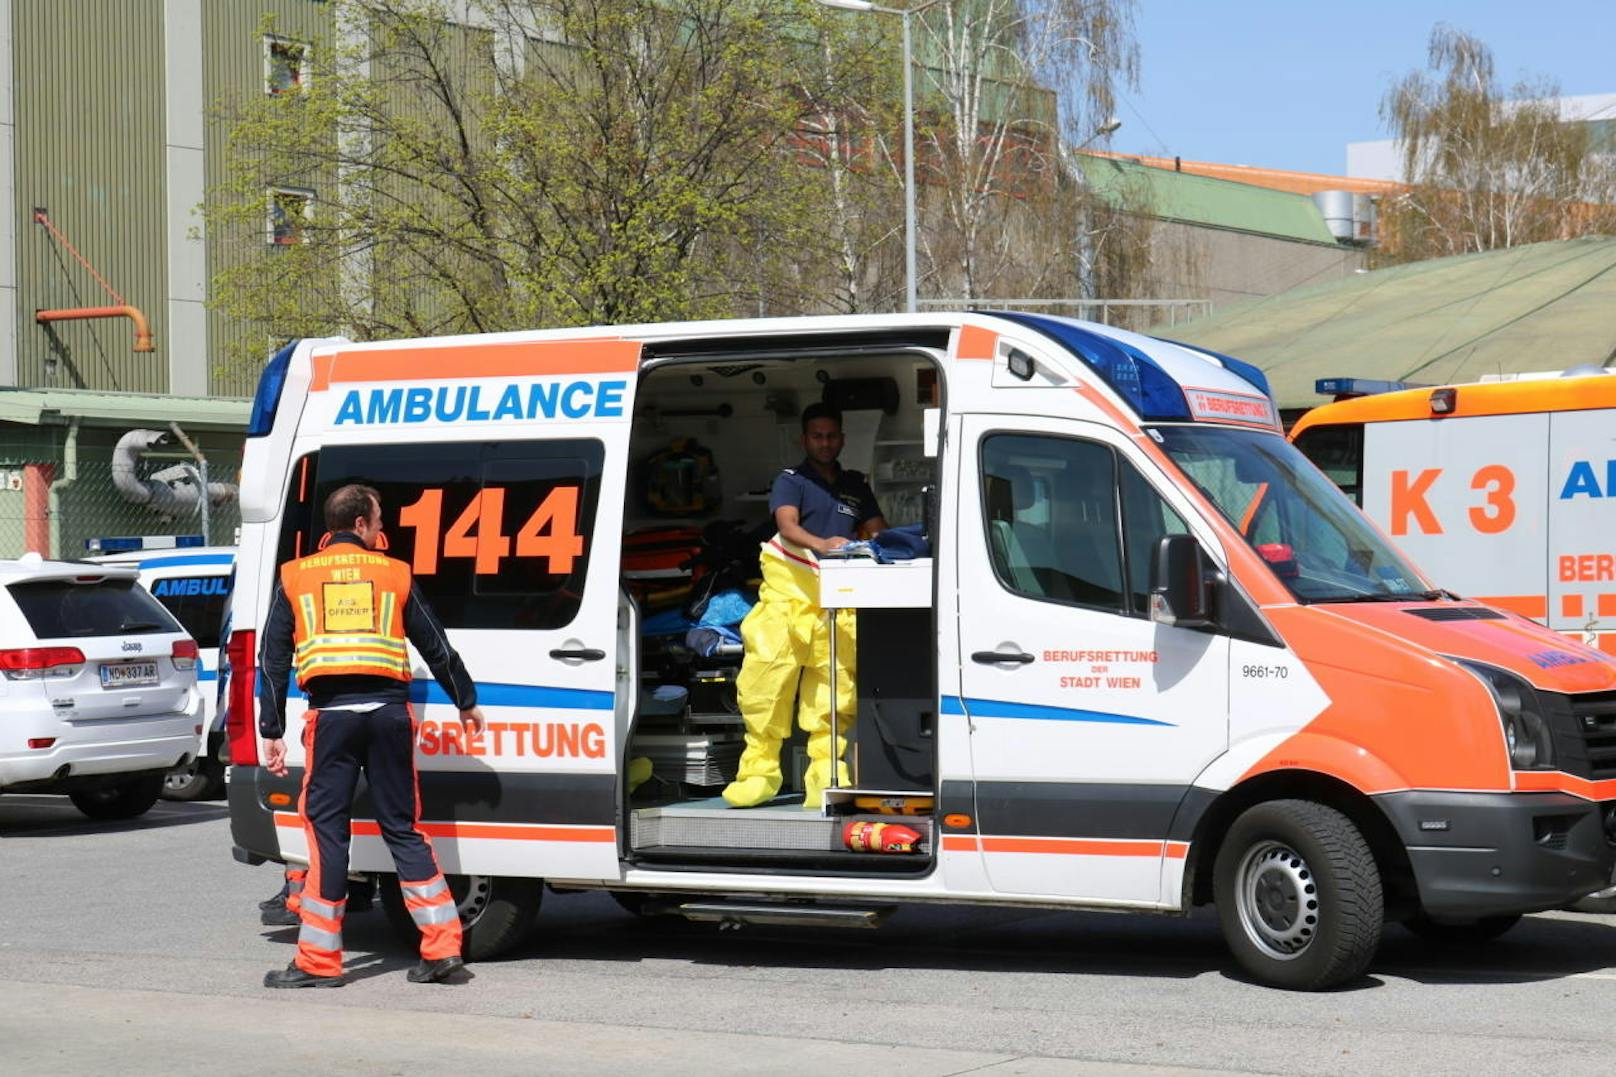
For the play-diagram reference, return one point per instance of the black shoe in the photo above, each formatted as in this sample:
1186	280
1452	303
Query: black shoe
276	902
281	917
431	972
292	976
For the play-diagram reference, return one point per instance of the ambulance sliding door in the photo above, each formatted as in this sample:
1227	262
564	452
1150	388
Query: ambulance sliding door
1088	721
504	490
1465	499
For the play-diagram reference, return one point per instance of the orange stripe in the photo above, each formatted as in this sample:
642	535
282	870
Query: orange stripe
1607	642
505	831
1570	605
800	560
960	843
1533	606
501	360
975	342
1555	781
1178	850
1607	605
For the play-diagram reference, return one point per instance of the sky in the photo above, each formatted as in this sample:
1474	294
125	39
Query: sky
1289	84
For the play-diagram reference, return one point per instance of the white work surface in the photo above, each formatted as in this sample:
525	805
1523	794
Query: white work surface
862	583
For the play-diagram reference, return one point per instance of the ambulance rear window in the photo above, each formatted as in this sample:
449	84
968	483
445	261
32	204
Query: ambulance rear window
497	533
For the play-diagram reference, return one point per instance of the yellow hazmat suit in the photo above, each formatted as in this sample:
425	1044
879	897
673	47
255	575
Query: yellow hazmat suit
787	638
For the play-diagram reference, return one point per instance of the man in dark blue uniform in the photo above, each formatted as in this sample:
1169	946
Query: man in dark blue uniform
818	506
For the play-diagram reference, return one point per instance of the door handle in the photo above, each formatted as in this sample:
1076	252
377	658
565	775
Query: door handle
583	654
990	658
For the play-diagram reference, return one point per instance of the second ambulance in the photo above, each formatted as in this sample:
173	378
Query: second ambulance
1155	659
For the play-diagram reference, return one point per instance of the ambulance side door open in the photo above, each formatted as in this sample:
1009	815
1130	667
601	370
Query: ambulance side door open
1088	721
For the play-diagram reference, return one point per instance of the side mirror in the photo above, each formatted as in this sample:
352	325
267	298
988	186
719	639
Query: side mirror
1178	587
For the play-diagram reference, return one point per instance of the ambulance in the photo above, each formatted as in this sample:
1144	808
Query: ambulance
1102	689
1509	485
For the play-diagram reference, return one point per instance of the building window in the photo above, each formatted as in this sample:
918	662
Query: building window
286	65
289	211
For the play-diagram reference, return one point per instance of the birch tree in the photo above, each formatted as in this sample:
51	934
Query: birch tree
1487	169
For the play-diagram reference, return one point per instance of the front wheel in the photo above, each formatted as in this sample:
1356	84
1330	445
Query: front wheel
1298	895
496	912
122	801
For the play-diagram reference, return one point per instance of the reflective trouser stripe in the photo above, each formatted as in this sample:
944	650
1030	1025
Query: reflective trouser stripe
321	907
425	891
434	914
294	888
432	908
310	936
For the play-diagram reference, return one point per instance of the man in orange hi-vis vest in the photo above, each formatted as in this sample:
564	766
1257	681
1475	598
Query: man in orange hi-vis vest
343	614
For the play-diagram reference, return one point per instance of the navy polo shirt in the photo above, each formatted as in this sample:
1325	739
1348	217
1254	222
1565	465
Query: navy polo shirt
826	509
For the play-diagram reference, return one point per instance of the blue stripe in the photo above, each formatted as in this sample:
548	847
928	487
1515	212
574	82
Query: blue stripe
189	559
519	695
1001	708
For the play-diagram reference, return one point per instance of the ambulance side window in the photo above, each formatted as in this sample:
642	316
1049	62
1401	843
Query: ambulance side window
300	522
496	533
1338	452
197	603
1146	518
1049	506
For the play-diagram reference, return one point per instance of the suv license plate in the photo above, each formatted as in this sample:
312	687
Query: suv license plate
128	674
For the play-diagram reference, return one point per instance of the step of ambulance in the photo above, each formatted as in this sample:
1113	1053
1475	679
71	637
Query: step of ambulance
781	826
777	913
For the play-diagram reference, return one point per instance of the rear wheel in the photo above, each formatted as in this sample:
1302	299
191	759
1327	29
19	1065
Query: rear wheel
1299	895
1484	930
496	912
122	801
201	779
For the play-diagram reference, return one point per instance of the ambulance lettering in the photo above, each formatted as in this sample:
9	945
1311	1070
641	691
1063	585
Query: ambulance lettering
1096	668
538	740
196	585
1411	493
514	402
1583	481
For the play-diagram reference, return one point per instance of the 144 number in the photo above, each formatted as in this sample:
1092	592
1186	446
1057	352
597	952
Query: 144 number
551	532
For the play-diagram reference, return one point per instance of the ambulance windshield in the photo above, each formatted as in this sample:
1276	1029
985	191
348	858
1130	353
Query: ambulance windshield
1310	534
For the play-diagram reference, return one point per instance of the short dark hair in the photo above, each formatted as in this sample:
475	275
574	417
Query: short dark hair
347	504
820	410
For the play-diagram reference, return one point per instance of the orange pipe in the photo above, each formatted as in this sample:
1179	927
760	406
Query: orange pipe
143	337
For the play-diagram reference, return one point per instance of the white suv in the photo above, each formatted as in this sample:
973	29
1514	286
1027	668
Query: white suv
193	583
98	696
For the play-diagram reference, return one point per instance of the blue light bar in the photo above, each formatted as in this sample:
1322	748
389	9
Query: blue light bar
1359	386
1238	367
126	543
1148	389
268	397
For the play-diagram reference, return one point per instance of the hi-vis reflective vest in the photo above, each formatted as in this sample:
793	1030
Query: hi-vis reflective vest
348	605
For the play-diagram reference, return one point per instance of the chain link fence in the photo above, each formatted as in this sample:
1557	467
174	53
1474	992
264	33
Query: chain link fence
56	506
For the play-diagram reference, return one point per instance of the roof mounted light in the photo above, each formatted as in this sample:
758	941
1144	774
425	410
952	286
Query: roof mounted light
268	397
1346	388
1148	389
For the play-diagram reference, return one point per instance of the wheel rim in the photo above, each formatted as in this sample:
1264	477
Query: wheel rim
472	894
1277	898
180	777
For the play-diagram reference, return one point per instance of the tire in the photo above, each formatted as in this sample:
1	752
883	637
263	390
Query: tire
122	801
496	912
1298	895
1484	930
202	779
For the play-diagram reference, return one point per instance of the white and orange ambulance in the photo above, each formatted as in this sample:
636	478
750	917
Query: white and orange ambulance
1154	659
1508	485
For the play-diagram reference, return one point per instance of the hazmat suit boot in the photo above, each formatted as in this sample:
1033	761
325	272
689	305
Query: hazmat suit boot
817	780
292	976
433	972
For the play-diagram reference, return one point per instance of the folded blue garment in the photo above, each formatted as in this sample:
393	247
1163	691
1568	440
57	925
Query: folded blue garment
706	639
902	543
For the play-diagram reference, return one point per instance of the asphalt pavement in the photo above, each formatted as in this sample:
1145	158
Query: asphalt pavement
134	947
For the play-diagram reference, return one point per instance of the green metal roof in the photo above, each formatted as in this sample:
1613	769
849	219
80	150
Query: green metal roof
1546	306
1204	201
55	406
